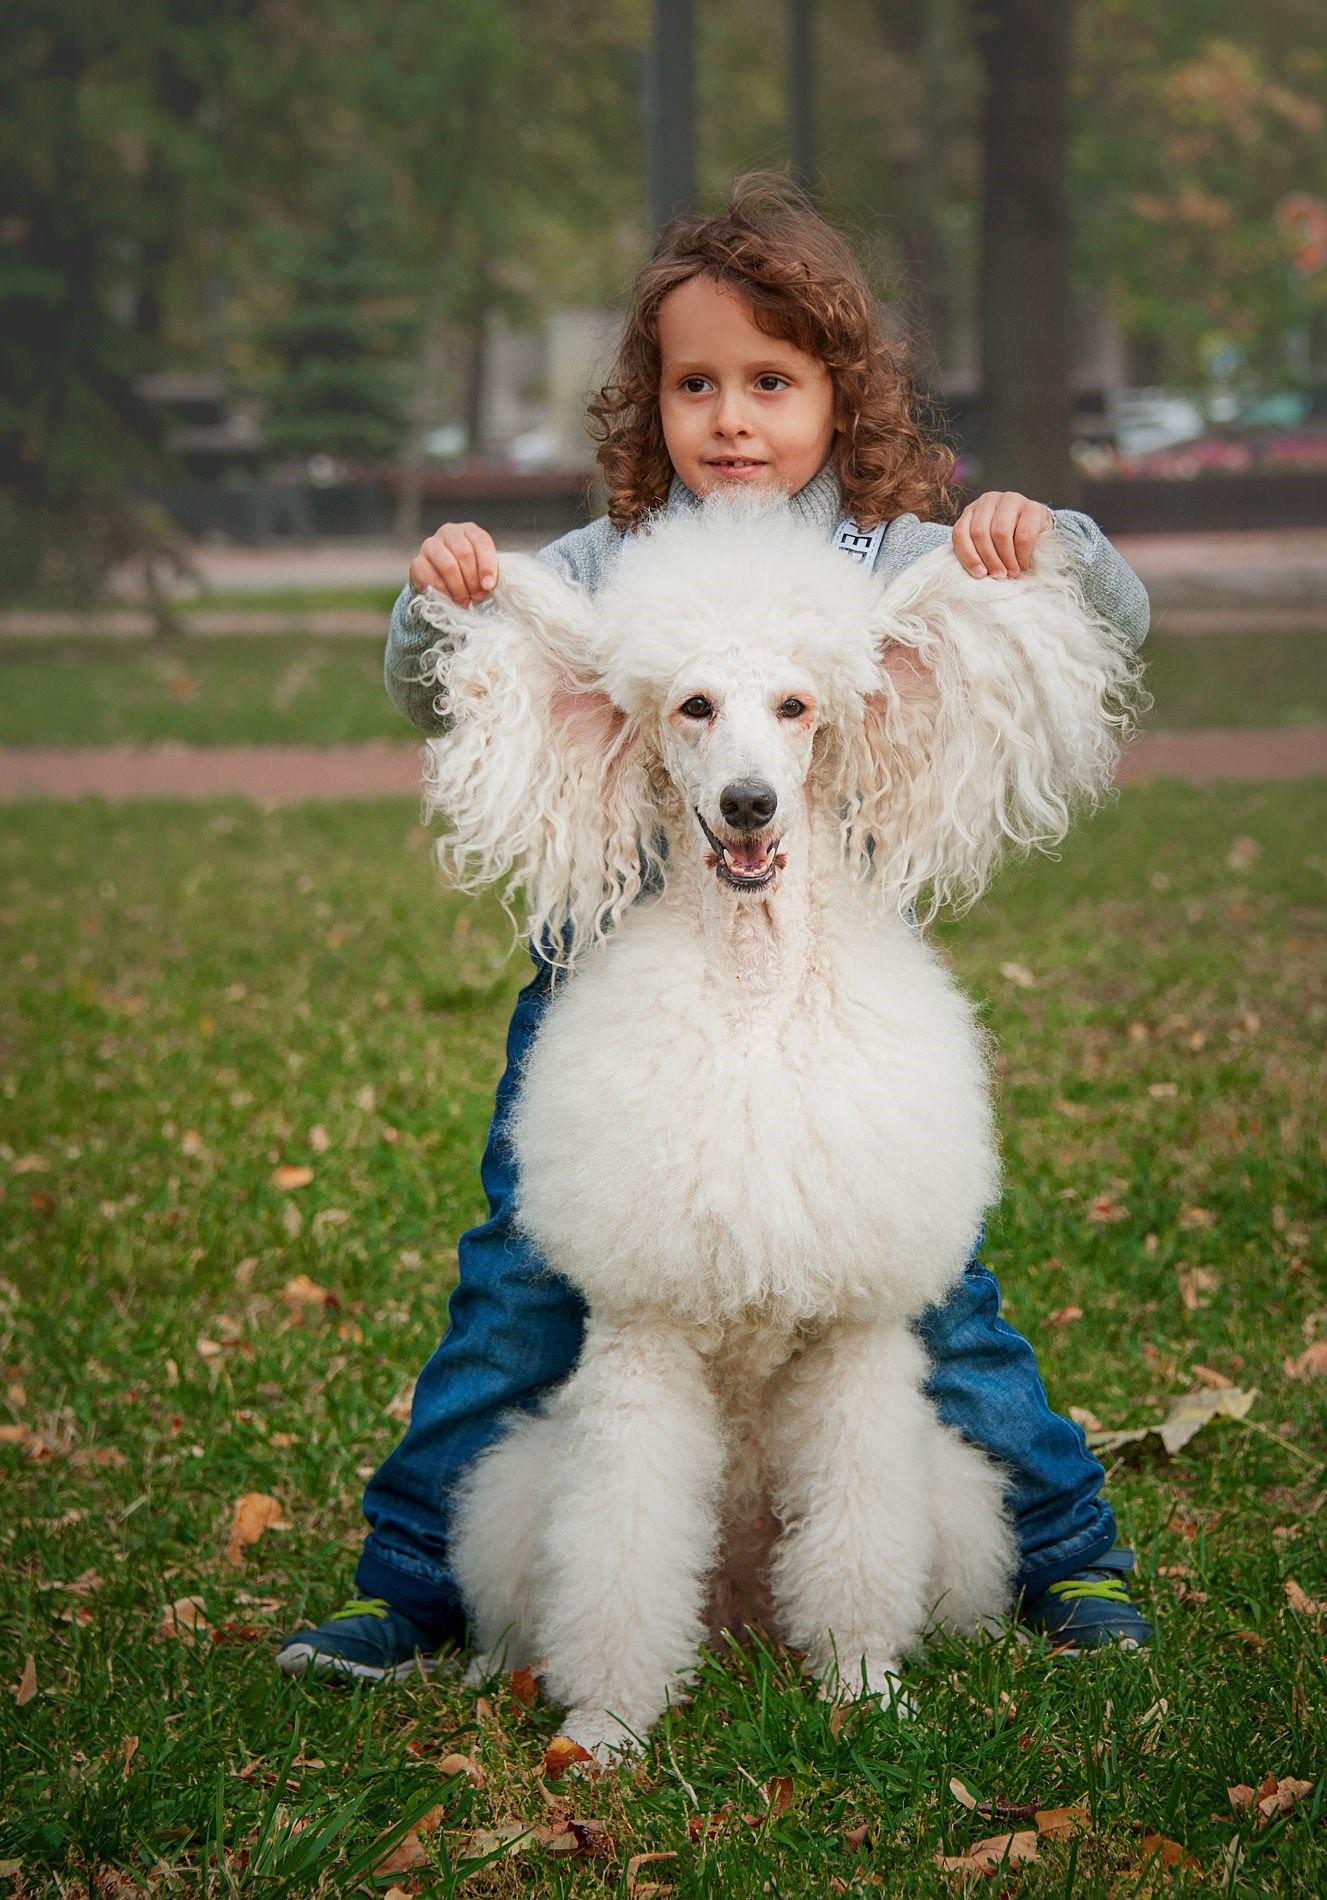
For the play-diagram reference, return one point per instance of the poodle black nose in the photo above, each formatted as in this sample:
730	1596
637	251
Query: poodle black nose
748	804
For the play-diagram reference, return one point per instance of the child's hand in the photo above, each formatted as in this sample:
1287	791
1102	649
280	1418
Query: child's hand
995	534
460	560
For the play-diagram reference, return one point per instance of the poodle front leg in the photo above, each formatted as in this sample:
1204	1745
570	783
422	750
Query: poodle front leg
848	1438
630	1531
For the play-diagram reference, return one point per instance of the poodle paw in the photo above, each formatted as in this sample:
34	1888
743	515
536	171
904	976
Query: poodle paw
878	1681
607	1741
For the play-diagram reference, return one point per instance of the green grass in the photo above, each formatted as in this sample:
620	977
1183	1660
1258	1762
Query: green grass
188	994
254	688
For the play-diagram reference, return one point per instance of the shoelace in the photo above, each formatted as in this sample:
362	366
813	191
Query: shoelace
1074	1589
368	1606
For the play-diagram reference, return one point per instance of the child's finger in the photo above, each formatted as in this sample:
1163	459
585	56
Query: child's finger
451	581
462	552
963	546
1004	525
486	557
987	552
1032	524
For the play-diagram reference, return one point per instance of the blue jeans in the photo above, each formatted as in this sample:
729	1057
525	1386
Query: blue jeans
516	1330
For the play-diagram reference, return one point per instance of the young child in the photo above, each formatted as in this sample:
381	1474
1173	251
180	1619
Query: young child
752	353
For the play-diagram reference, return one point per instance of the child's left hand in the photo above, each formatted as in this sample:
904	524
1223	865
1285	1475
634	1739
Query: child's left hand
995	534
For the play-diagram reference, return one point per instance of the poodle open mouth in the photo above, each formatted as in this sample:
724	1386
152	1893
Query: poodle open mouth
744	864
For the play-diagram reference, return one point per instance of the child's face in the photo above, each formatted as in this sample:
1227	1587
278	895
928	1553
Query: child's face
738	406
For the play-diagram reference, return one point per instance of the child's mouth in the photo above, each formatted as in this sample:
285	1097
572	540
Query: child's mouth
735	465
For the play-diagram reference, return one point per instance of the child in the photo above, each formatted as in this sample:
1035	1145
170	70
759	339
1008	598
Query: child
752	354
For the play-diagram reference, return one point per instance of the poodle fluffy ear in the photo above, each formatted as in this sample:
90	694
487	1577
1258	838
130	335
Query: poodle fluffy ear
538	776
1002	705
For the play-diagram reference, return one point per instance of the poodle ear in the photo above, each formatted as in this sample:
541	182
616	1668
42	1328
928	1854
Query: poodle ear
1002	705
538	775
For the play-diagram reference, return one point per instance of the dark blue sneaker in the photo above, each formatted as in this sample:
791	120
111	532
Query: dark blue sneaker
364	1641
1091	1609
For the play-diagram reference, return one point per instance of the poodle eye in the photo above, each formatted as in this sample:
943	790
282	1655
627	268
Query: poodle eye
697	707
792	709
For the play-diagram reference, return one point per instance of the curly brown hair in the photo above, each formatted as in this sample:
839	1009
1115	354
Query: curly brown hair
805	287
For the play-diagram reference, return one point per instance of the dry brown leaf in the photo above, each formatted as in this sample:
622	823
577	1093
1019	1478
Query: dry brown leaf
510	1837
1311	1363
1064	1316
462	1765
291	1177
1088	1420
1241	1795
1195	1284
128	1749
183	1618
1019	975
410	1851
1301	1603
858	1836
962	1796
1279	1797
1188	1414
562	1753
319	1139
26	1686
254	1513
779	1793
1103	1210
302	1291
1166	1855
523	1687
1061	1824
997	1850
637	1889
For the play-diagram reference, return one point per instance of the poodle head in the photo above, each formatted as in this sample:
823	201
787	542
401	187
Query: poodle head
738	644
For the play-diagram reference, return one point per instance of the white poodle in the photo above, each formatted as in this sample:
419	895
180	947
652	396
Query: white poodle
755	1129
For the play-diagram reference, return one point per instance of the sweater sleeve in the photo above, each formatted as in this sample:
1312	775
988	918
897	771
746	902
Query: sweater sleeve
585	556
1110	584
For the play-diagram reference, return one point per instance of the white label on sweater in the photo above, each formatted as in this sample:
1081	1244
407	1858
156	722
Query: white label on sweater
859	547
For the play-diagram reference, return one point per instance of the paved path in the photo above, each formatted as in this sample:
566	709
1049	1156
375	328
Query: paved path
285	775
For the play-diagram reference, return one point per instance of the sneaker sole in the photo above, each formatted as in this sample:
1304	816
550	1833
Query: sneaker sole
302	1659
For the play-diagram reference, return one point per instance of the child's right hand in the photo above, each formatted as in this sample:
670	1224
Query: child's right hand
460	560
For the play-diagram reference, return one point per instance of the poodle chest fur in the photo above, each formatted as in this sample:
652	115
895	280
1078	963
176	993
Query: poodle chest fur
828	1157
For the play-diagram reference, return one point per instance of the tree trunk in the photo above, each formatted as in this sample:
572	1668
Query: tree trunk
1025	320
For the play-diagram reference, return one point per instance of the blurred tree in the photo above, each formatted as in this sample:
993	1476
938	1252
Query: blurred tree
1192	122
110	164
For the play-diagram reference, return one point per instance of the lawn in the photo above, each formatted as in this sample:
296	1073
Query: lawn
195	999
255	688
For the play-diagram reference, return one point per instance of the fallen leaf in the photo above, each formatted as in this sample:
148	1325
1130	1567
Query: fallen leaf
1195	1283
26	1686
183	1618
1241	1795
1188	1414
319	1139
290	1177
1209	1376
254	1513
1061	1824
523	1686
1103	1209
635	1888
508	1839
410	1850
30	1164
998	1850
462	1765
1243	854
1158	1852
1019	975
964	1798
302	1291
1088	1420
1302	1604
561	1754
859	1836
1279	1797
1311	1363
1064	1316
128	1749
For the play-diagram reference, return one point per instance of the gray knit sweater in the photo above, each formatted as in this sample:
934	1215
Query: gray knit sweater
587	555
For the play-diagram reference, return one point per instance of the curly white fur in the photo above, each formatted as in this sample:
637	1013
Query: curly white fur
755	1130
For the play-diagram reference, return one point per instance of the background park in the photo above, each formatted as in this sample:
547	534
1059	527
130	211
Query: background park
281	289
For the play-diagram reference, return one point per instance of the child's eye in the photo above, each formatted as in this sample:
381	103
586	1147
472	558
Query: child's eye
782	381
697	707
687	381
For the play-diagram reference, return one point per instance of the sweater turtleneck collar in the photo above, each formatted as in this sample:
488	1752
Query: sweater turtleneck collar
820	502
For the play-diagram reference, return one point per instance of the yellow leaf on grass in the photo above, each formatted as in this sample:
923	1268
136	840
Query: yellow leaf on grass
183	1618
26	1686
254	1513
291	1177
1187	1416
